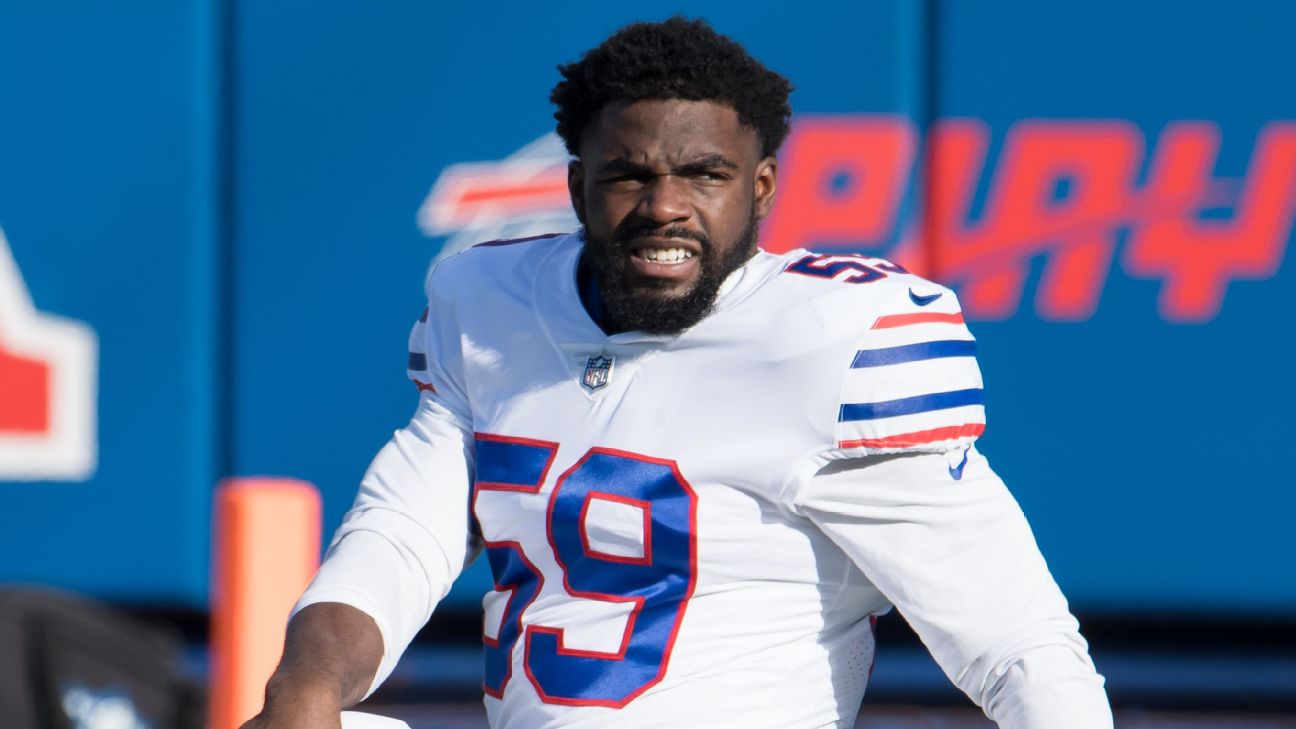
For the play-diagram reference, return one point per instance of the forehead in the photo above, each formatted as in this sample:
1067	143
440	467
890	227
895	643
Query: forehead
670	130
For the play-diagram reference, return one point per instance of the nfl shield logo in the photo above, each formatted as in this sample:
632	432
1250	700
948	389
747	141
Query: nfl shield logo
597	369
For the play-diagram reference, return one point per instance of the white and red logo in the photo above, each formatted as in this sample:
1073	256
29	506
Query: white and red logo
522	195
48	371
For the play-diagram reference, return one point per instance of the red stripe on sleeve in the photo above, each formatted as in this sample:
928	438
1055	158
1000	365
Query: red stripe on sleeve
923	437
922	317
424	386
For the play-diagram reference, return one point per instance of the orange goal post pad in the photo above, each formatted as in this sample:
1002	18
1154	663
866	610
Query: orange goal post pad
267	547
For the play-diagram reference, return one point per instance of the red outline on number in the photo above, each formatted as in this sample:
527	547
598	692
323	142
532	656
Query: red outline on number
634	614
495	486
822	261
645	507
512	590
522	628
478	487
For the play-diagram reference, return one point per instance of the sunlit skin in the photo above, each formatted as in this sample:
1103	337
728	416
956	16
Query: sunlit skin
658	176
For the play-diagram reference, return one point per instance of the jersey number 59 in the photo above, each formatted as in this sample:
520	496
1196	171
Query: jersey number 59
656	582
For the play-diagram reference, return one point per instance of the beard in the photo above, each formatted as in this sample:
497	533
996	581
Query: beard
646	306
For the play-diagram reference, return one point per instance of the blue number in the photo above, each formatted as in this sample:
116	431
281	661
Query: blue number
829	266
657	583
509	464
513	573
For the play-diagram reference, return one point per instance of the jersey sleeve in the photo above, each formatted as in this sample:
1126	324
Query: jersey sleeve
913	383
952	551
435	362
406	537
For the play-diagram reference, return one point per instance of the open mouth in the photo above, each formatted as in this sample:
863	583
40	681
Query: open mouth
665	256
663	261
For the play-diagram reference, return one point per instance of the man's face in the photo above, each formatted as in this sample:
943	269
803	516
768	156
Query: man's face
670	193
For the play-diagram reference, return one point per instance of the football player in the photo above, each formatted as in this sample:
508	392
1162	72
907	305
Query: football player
698	471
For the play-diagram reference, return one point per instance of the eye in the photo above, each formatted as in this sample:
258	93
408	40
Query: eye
710	176
624	181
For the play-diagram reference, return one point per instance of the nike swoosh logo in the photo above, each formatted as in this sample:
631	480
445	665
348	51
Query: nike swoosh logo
956	472
924	300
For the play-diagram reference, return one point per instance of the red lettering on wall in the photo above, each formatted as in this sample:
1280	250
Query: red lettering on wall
1195	258
1061	191
1059	194
841	182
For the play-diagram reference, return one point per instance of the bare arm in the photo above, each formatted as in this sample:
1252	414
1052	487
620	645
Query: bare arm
330	657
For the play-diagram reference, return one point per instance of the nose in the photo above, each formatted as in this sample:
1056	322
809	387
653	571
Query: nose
664	200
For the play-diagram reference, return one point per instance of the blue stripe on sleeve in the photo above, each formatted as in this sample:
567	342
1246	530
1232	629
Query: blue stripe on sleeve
908	405
417	361
914	352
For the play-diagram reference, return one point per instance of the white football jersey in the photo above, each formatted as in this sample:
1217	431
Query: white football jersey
671	541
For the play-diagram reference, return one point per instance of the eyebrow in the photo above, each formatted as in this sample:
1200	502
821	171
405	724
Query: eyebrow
708	161
704	162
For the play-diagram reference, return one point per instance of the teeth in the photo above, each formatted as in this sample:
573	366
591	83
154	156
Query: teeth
666	255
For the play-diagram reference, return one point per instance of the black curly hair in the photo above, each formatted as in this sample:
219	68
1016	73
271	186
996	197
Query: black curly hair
677	58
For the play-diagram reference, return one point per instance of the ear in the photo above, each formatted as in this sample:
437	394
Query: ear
765	186
576	188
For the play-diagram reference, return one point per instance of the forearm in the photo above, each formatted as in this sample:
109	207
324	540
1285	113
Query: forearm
331	654
406	538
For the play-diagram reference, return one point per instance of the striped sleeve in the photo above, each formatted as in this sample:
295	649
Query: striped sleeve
434	361
417	365
913	383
